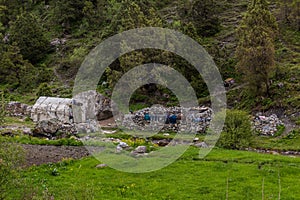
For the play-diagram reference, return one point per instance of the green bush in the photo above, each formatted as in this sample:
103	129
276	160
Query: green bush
44	90
237	132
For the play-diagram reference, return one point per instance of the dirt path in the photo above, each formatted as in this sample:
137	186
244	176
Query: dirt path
43	154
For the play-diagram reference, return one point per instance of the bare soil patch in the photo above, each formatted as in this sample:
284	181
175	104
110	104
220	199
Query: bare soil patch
43	154
108	123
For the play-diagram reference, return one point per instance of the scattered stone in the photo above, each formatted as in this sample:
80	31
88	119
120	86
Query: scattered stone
109	132
201	145
101	166
166	134
27	131
122	146
57	41
13	130
119	149
162	143
266	125
140	149
88	127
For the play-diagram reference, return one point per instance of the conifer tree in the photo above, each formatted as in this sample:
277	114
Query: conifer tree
131	16
255	51
289	13
204	16
30	37
15	72
68	13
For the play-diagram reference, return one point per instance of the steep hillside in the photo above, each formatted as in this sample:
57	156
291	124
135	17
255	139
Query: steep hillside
73	28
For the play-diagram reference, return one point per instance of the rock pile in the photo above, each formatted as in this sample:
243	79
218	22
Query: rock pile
17	109
187	119
266	125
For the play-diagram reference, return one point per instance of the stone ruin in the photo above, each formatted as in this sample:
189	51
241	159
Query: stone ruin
64	116
88	108
52	117
47	108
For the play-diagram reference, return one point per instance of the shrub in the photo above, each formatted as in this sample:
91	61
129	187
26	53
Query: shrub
237	132
44	90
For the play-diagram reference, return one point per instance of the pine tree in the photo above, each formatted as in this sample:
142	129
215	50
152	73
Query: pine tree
15	72
255	51
289	13
68	13
204	16
9	10
131	16
30	37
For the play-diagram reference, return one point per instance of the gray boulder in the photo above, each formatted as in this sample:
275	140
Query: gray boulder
140	149
201	145
53	128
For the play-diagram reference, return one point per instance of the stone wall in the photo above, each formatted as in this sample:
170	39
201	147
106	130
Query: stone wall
17	109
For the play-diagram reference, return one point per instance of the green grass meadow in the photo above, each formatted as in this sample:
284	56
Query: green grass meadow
223	174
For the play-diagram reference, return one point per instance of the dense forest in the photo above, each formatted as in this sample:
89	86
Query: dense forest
256	42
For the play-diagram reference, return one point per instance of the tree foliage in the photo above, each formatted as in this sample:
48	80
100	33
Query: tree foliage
204	17
44	90
67	13
131	16
255	51
30	37
15	72
10	9
290	13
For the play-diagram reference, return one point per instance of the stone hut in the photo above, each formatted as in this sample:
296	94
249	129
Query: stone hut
83	111
47	108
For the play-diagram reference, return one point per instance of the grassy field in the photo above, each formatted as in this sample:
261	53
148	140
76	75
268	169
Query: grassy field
289	142
223	174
